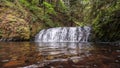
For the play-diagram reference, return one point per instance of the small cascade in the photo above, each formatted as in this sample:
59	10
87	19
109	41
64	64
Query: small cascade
64	34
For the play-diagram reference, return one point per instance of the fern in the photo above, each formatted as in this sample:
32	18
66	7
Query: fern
62	6
49	8
25	3
35	2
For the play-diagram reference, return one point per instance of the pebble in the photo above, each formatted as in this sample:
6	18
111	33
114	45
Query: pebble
5	60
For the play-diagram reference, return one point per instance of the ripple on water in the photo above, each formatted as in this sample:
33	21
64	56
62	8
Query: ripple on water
59	55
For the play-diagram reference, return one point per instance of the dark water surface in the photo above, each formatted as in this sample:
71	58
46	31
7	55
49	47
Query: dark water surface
59	55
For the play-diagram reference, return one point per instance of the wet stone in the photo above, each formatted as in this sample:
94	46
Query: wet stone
4	61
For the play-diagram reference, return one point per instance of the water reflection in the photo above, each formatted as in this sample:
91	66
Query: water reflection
60	49
59	55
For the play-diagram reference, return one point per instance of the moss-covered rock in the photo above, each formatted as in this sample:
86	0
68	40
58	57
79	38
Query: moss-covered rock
13	27
18	21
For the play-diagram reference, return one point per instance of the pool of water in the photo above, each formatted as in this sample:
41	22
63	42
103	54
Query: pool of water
59	55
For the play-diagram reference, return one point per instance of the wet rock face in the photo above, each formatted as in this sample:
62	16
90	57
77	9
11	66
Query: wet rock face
64	34
13	27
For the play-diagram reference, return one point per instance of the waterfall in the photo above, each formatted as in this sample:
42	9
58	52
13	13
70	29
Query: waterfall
64	34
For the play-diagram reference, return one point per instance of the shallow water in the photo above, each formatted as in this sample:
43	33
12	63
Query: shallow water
59	55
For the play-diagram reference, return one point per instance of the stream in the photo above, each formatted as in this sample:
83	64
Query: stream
59	55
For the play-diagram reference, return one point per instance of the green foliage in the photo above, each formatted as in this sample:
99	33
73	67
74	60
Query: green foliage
79	23
33	6
62	6
106	24
40	13
103	15
25	3
15	4
49	9
8	3
35	2
48	21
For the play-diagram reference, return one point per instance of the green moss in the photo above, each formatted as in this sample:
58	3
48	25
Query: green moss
14	27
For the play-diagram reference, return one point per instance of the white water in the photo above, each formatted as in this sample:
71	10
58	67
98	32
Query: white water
64	34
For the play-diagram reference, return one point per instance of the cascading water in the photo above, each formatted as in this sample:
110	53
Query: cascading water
64	34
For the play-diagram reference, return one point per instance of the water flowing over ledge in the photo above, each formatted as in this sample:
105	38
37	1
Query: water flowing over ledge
64	34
